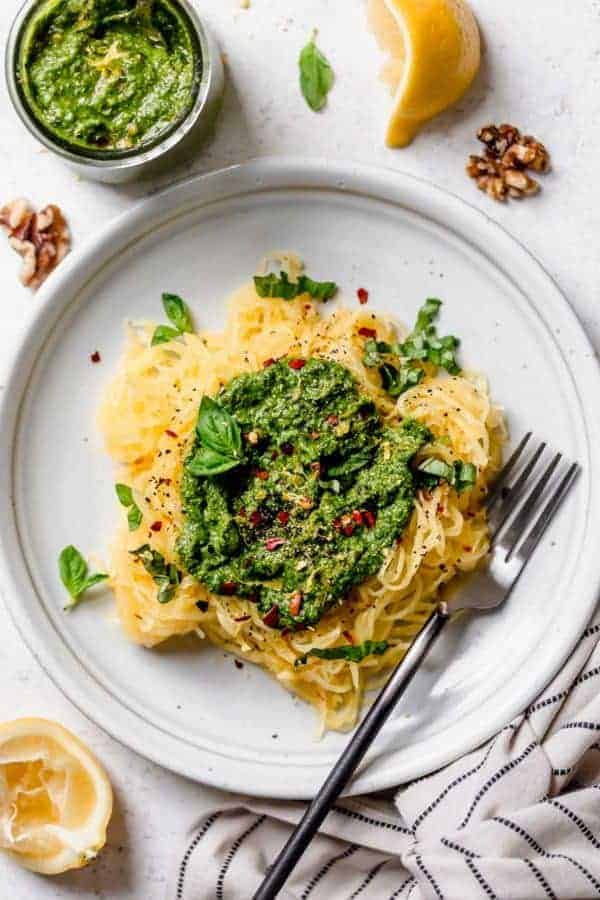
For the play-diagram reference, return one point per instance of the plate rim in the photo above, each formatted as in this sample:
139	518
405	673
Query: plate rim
96	253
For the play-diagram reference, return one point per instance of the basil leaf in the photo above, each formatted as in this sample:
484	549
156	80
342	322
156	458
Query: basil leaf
316	76
166	591
73	571
460	475
275	286
374	351
163	334
209	462
94	579
134	517
465	475
165	575
425	344
350	652
428	312
397	381
353	463
334	486
218	430
281	287
318	290
125	494
438	469
178	313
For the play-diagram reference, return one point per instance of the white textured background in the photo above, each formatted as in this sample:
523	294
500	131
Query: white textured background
541	71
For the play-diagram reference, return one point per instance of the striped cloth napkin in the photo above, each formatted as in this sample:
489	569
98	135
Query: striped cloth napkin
517	819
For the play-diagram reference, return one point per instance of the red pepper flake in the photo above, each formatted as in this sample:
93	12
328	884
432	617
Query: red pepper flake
242	619
262	474
348	530
268	362
297	363
238	664
274	543
296	603
172	434
229	588
272	617
156	526
287	449
348	636
332	420
95	357
357	516
255	518
363	296
468	549
369	518
283	516
440	509
367	332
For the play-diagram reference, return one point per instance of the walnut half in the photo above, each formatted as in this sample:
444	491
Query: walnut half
501	172
41	238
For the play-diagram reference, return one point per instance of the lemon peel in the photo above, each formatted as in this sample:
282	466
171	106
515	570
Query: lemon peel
434	54
55	798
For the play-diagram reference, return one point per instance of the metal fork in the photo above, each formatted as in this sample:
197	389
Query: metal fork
519	512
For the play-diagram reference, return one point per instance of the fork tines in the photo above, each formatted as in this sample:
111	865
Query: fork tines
517	493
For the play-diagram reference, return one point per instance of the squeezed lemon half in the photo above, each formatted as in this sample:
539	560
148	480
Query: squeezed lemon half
55	798
434	54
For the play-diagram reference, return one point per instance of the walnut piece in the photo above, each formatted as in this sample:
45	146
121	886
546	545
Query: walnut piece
501	172
41	238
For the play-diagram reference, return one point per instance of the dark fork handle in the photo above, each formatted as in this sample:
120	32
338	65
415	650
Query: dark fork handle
341	773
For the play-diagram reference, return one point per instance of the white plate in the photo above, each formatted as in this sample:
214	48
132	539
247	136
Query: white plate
189	708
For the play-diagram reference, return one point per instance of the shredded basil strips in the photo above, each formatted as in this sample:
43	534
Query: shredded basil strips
74	574
422	345
166	575
459	475
220	438
179	315
350	652
280	286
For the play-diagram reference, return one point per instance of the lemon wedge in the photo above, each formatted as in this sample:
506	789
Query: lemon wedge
434	54
55	798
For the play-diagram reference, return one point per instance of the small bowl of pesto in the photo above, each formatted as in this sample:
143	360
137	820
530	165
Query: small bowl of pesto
118	88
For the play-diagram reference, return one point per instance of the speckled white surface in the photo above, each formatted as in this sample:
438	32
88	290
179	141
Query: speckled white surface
541	71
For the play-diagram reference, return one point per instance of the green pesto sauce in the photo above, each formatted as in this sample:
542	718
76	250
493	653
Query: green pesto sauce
109	74
315	453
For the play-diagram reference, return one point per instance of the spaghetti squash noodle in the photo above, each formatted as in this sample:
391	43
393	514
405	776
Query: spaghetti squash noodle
148	419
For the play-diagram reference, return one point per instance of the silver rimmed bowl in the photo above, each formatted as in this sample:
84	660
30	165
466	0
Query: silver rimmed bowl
119	166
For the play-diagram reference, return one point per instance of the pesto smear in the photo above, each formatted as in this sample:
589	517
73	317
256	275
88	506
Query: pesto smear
108	74
294	489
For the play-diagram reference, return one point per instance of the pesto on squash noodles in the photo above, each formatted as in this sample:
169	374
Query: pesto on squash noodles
319	489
